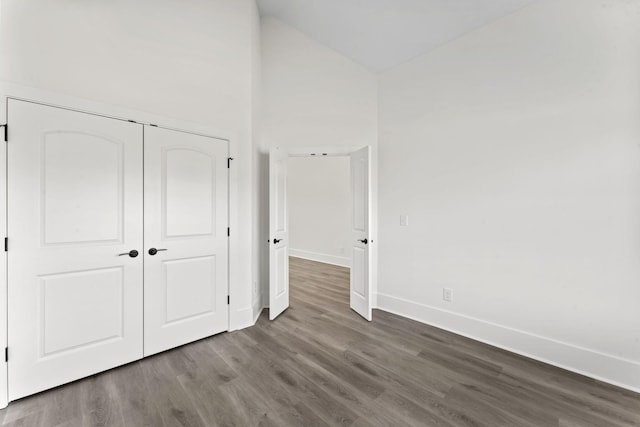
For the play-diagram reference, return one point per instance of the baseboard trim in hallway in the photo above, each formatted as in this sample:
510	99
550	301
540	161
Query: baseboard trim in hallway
321	258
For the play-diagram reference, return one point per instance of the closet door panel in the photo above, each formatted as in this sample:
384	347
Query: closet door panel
74	204
186	205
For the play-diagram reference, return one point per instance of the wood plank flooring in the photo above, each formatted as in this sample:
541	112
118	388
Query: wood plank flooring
320	364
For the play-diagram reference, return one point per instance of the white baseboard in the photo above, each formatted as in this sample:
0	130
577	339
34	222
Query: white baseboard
241	319
604	367
257	310
327	259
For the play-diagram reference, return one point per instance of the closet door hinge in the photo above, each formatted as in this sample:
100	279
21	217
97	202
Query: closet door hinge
229	162
6	244
228	300
6	354
6	131
228	231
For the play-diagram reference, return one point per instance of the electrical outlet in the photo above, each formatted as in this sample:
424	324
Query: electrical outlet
404	220
255	287
447	294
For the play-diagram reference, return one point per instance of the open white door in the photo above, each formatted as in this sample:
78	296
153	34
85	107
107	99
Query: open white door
75	233
360	299
185	225
278	233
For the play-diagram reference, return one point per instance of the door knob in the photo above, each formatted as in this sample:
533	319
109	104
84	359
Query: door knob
276	241
154	251
132	253
365	241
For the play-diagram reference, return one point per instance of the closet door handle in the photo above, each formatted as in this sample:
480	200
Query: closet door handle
154	251
365	241
132	253
276	241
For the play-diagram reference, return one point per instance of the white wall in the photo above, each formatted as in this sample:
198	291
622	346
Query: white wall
515	150
319	196
191	61
312	97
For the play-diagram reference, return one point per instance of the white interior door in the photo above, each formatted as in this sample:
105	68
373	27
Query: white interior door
360	299
74	205
278	233
186	241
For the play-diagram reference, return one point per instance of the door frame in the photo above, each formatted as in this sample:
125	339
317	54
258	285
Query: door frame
345	151
39	96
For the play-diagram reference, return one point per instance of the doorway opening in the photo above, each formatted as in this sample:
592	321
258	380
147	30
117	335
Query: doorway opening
320	210
358	239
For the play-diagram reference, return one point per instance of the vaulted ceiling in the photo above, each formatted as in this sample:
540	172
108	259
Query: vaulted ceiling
380	34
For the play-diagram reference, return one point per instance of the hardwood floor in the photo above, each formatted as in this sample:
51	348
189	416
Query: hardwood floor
321	364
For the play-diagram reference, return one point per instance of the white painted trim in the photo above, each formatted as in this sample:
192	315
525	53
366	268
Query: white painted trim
25	93
258	305
373	200
237	318
329	150
242	319
257	311
4	369
325	258
604	367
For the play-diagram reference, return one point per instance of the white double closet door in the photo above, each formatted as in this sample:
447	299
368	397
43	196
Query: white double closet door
118	244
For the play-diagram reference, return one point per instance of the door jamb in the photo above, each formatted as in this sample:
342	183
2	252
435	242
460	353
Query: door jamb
343	151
